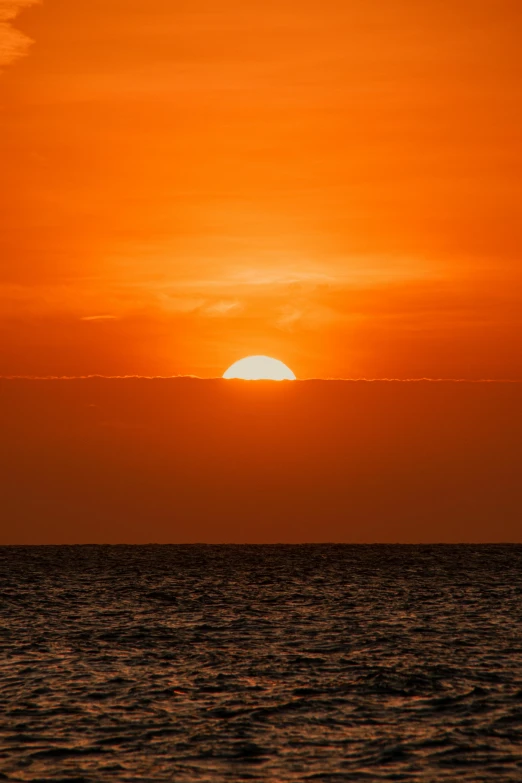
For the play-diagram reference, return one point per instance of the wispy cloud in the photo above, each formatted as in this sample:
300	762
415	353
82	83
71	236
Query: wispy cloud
13	43
98	318
205	306
341	272
223	307
258	277
306	315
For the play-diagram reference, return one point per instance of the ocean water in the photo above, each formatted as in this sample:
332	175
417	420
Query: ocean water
271	663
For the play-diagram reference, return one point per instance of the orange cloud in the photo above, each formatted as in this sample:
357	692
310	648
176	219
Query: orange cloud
13	43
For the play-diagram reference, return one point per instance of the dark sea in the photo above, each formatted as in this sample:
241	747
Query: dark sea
270	663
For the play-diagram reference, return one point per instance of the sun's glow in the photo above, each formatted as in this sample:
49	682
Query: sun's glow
259	368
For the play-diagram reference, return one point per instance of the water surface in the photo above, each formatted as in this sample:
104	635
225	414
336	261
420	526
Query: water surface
273	663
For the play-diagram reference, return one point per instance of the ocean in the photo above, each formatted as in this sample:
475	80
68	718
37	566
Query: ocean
271	663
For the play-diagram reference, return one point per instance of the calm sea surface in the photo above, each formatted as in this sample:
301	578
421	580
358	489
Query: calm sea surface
274	663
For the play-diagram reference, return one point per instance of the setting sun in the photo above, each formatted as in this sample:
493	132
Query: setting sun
259	368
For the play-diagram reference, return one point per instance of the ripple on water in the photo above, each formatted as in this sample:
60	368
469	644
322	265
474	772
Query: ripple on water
276	663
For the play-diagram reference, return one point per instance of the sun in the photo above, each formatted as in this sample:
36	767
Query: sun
260	368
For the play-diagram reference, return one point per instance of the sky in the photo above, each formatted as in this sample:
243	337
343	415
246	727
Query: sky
336	184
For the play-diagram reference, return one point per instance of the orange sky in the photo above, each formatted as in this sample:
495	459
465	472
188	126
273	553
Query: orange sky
335	183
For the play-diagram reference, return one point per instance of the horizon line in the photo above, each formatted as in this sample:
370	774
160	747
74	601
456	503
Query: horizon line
282	543
242	380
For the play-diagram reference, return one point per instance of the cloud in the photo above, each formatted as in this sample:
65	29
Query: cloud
223	307
200	306
13	43
98	318
307	315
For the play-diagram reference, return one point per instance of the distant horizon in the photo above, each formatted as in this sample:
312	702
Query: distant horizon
481	544
219	378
